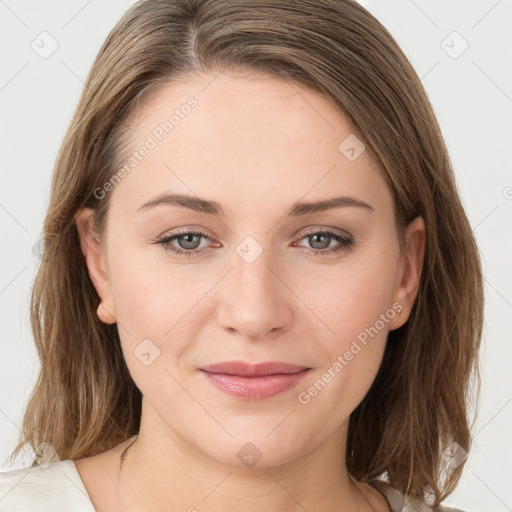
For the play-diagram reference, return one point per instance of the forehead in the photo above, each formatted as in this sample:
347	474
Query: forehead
246	136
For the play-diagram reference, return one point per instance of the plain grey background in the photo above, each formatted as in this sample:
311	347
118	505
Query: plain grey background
462	52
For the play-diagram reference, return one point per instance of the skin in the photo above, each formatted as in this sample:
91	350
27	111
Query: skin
256	145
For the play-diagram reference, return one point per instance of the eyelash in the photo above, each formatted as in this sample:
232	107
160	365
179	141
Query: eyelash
346	243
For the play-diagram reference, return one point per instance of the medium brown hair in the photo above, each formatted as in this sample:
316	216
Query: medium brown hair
85	401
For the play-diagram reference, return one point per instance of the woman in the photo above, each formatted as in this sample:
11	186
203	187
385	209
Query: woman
259	285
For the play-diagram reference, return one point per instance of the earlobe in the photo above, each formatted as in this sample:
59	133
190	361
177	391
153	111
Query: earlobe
104	314
410	270
94	255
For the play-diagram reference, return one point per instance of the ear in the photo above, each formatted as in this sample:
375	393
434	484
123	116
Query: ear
94	255
409	272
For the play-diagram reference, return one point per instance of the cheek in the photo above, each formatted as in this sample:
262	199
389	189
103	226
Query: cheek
352	295
150	295
160	310
157	323
355	304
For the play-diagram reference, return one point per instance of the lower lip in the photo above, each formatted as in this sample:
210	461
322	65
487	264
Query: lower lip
254	388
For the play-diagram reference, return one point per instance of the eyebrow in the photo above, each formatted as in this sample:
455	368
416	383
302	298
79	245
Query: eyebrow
214	208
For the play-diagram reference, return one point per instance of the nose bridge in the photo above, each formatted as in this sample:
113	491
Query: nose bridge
251	271
254	301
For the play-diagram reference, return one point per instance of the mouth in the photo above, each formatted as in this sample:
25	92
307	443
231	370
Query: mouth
254	382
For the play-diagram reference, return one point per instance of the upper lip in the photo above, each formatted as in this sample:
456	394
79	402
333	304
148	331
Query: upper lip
253	370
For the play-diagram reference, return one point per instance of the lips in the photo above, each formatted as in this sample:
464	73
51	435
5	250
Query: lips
254	381
253	370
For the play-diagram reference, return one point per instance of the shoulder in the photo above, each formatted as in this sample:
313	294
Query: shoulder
398	502
37	488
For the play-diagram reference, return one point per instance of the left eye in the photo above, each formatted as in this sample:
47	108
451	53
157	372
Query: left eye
189	242
318	241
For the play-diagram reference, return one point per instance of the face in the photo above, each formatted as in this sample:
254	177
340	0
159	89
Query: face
257	274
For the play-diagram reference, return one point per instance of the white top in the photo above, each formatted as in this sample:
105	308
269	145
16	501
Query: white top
59	487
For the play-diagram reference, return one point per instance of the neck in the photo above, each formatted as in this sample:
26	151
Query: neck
160	471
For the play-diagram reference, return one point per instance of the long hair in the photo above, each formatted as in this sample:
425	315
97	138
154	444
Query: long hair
85	402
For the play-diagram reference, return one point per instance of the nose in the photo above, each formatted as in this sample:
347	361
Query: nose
256	302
